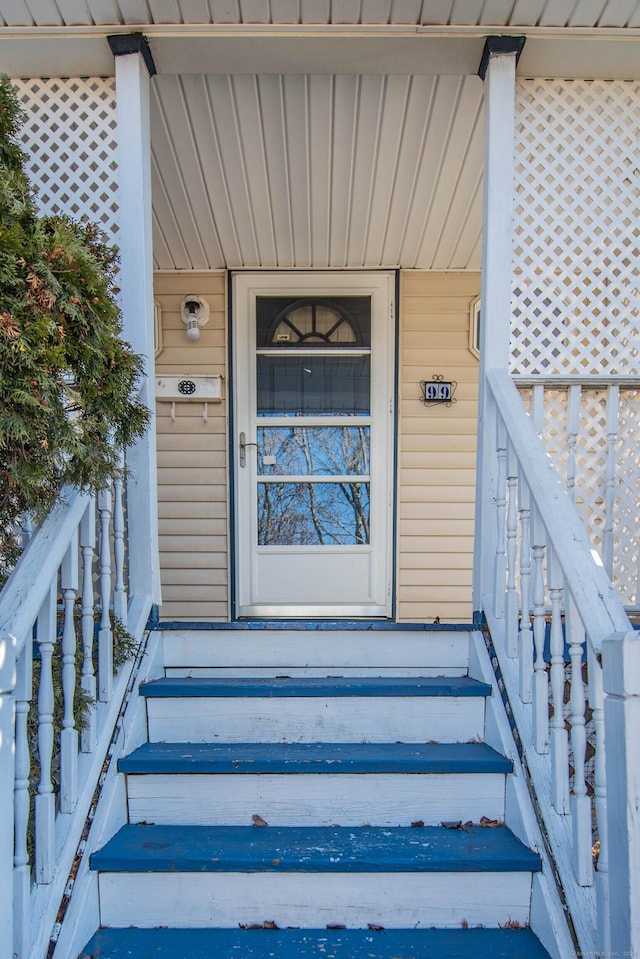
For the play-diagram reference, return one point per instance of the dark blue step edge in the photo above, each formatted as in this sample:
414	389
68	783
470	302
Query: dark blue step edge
148	848
312	758
314	944
211	686
320	625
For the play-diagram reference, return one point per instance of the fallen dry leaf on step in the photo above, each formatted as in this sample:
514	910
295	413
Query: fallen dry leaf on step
374	928
259	821
490	823
418	824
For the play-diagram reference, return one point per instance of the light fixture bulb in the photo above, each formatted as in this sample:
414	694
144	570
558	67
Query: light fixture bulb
193	329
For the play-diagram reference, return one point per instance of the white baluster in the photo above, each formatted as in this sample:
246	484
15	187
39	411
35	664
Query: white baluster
525	636
500	569
613	408
45	800
537	407
574	400
596	700
559	736
105	635
27	529
21	870
69	581
580	800
88	736
119	593
511	623
540	679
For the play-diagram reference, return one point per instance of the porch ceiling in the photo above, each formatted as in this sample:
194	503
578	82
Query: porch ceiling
317	171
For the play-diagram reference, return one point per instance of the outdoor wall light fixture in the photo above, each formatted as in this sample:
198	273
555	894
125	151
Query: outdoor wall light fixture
194	313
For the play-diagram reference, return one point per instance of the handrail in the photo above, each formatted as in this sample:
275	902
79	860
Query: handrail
570	663
27	587
63	597
585	579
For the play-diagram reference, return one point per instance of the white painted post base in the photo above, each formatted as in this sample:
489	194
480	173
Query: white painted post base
621	665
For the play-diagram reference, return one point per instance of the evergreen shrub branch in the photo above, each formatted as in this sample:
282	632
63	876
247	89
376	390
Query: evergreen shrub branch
68	381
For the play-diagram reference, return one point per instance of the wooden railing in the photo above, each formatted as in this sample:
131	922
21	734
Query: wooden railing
589	675
589	426
58	612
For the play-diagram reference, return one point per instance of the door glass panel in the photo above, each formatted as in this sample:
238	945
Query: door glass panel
313	514
313	322
313	385
317	451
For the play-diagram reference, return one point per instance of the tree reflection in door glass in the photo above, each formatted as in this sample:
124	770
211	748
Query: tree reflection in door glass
313	514
313	450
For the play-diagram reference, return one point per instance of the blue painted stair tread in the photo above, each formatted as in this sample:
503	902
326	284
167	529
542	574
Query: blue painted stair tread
211	686
274	758
314	944
161	848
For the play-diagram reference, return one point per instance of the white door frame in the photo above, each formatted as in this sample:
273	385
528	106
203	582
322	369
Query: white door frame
332	581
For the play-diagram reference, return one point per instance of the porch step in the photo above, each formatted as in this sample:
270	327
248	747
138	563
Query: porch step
313	648
225	875
308	709
314	783
314	944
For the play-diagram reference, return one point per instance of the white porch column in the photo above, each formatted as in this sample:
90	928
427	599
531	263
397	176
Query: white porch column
134	66
621	667
498	70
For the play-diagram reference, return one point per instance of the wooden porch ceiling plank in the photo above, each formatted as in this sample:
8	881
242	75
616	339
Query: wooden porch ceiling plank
466	11
166	221
467	149
296	129
15	13
45	12
321	173
254	11
315	11
345	11
405	11
396	92
526	13
271	94
438	132
251	123
618	11
134	11
285	11
465	118
169	11
436	12
224	11
103	11
495	12
375	11
345	100
408	198
586	13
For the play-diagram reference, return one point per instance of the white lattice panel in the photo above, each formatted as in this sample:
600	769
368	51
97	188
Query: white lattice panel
70	141
591	462
576	296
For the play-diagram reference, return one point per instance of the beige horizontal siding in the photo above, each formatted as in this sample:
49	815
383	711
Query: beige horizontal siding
437	449
192	458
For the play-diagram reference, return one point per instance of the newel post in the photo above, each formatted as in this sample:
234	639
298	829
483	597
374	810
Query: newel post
498	70
621	669
134	66
8	650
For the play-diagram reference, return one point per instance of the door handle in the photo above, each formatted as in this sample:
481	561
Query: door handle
242	446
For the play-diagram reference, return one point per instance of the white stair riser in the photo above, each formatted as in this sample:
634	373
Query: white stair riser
316	719
279	649
313	900
320	800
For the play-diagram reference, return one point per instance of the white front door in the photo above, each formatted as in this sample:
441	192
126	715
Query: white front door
313	423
